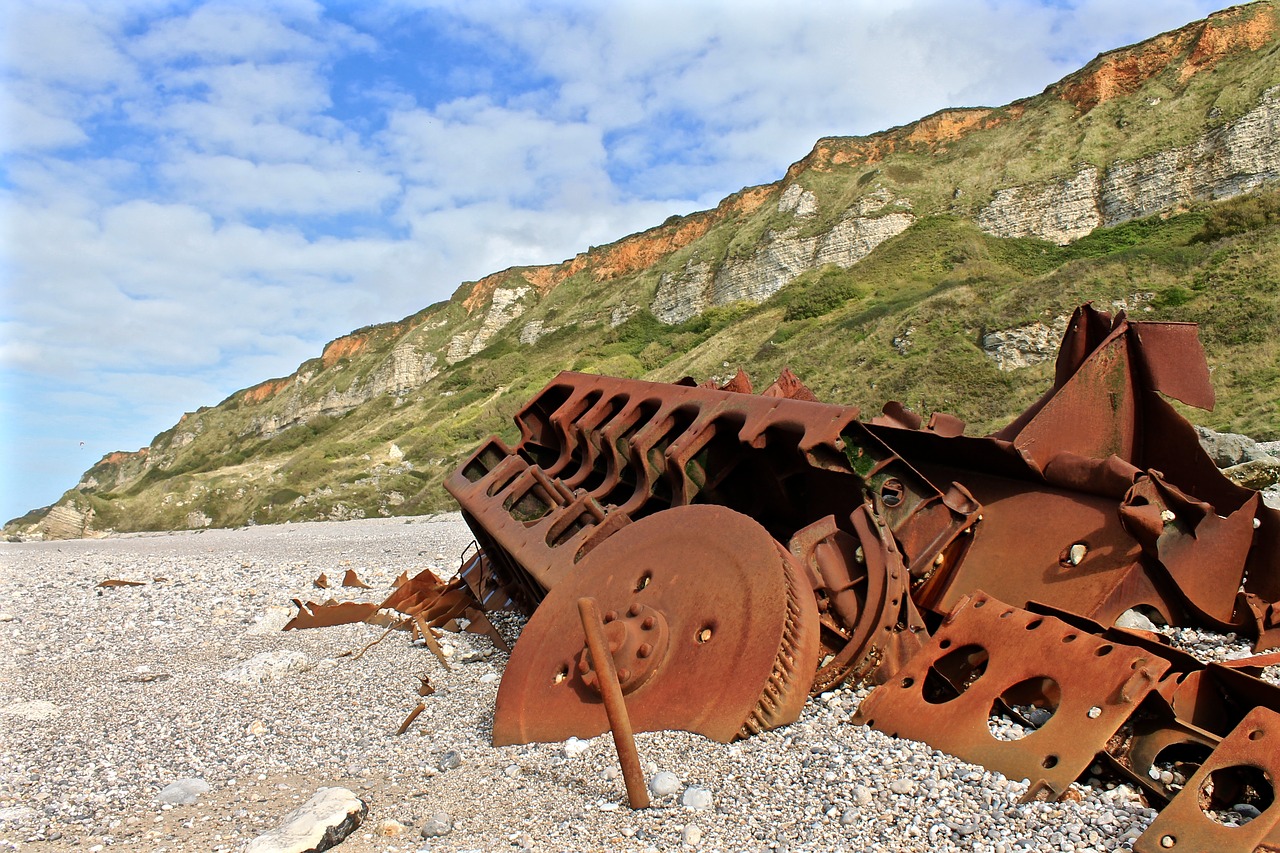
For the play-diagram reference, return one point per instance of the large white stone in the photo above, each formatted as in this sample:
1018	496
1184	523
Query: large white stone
318	824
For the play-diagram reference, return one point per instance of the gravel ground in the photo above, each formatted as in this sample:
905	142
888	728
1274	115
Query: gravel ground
107	695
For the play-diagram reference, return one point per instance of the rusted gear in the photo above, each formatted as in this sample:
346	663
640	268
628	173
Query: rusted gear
712	627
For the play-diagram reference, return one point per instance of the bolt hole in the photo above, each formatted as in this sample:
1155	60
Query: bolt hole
644	581
1034	624
1168	841
892	492
1023	708
1235	795
1006	614
1103	651
704	636
1050	761
1069	638
561	675
1256	734
908	681
953	673
945	644
979	603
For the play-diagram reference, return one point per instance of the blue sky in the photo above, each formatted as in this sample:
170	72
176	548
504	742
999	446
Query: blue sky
195	197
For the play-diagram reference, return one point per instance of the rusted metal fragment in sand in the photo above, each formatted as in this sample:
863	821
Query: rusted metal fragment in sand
113	582
788	386
351	579
990	660
321	581
710	622
1244	769
330	613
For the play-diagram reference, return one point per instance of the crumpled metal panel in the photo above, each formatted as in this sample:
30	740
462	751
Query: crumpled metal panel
1245	766
988	657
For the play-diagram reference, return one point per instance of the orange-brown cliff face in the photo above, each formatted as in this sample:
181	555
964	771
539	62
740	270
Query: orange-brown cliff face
344	347
931	133
632	253
119	457
1194	48
264	391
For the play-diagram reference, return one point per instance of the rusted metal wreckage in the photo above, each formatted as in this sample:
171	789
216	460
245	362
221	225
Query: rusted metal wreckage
704	559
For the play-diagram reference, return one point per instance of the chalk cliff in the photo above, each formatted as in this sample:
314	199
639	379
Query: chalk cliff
931	261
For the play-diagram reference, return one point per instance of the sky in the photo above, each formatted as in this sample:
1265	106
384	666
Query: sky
195	197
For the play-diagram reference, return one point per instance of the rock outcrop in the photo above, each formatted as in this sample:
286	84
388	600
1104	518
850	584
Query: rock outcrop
505	305
781	258
403	370
1223	162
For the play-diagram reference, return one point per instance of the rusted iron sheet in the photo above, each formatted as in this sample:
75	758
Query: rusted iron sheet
711	625
746	549
893	521
1243	769
423	599
989	658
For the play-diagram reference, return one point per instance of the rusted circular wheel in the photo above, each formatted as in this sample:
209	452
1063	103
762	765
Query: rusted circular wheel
712	628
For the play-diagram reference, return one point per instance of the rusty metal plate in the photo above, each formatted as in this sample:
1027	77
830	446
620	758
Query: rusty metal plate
711	623
987	652
1246	765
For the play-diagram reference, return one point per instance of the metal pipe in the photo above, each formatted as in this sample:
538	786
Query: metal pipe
614	705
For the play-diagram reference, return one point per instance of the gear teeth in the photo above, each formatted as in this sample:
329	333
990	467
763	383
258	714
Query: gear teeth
788	676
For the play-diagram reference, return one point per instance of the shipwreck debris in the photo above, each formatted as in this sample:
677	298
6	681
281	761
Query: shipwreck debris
745	551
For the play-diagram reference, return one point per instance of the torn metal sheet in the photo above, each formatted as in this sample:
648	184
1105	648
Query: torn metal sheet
1243	769
988	659
748	548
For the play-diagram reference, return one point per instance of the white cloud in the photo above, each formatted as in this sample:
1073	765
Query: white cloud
229	185
229	31
197	197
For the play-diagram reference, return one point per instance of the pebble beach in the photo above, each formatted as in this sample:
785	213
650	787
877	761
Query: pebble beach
175	714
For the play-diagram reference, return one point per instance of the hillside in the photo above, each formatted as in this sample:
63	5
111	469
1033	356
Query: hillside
933	263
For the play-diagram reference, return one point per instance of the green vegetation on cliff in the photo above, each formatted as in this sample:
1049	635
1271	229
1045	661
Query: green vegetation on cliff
777	276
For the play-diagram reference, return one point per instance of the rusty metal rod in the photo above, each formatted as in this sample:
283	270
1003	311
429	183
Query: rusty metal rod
614	705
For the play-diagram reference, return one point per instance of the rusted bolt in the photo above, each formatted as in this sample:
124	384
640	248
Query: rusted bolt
610	616
624	674
583	666
633	610
648	623
644	650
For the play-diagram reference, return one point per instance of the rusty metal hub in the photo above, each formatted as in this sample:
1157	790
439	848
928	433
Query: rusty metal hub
638	640
710	622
